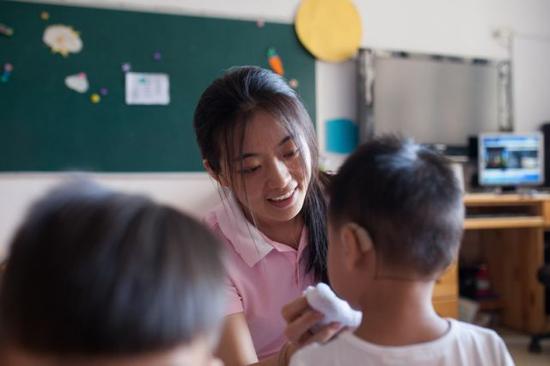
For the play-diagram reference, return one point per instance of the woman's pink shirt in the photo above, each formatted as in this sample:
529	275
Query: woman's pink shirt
261	275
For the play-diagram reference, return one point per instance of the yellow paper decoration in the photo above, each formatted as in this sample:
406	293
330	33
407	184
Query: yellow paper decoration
329	29
95	98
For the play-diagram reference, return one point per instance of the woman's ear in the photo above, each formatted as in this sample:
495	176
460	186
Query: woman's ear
357	243
217	177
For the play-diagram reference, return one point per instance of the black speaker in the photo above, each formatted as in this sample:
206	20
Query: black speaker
472	147
545	129
473	177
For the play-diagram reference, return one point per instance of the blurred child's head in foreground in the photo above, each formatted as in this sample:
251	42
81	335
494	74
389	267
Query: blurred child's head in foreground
96	277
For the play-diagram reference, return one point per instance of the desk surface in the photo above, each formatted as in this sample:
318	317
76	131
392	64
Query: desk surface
512	222
531	211
495	199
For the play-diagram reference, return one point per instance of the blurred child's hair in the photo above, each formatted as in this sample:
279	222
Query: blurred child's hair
407	198
228	104
94	272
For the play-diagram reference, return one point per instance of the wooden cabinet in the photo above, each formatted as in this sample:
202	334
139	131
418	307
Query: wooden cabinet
445	295
446	308
506	232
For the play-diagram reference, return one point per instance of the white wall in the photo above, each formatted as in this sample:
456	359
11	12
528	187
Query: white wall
194	193
531	82
435	26
450	27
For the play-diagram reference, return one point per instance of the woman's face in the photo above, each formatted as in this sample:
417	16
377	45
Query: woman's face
271	174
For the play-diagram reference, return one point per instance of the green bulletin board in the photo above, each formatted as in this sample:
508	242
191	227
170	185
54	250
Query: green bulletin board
45	126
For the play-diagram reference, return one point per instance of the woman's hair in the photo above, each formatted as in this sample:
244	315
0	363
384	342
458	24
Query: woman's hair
223	111
408	200
92	272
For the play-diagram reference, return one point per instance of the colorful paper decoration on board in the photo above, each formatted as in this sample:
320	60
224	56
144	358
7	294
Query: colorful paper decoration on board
62	39
95	98
5	30
8	68
77	82
329	29
341	136
275	61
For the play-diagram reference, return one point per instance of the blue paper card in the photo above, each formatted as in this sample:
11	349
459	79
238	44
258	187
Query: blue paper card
341	135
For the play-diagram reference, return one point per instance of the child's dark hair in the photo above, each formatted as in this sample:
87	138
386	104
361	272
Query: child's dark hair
408	200
92	272
233	99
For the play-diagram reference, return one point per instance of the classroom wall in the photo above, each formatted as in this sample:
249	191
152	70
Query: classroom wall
531	88
463	28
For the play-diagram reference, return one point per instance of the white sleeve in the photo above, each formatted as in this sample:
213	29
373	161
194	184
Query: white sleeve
503	356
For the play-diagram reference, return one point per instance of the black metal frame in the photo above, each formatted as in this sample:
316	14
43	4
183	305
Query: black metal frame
544	278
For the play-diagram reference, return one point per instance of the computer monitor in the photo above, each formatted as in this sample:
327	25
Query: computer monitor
511	159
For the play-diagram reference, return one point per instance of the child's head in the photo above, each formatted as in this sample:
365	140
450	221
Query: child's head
104	278
398	204
257	139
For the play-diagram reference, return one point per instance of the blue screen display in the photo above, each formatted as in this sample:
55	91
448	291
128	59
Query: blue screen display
511	160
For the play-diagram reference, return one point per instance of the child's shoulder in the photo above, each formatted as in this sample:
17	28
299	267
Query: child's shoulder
476	340
477	337
463	344
467	330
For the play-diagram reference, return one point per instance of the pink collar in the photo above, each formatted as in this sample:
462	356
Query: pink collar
249	242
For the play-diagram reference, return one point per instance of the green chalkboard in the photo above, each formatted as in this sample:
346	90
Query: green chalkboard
45	126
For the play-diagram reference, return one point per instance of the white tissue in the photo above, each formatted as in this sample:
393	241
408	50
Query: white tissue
322	299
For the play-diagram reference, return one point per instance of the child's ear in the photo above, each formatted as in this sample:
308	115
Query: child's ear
217	177
357	243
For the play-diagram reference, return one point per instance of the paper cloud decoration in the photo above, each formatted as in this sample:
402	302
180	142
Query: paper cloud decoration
62	39
77	82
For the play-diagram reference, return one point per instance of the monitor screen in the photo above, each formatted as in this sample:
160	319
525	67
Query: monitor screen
511	159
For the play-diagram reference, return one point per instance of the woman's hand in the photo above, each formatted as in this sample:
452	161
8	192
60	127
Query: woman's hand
300	318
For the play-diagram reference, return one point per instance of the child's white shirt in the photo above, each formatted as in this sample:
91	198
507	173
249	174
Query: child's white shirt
463	344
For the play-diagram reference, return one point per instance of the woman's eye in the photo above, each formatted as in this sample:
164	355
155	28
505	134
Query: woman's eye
291	154
250	170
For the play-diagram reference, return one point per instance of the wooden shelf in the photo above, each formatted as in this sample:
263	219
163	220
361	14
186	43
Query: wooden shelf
485	199
513	222
507	232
